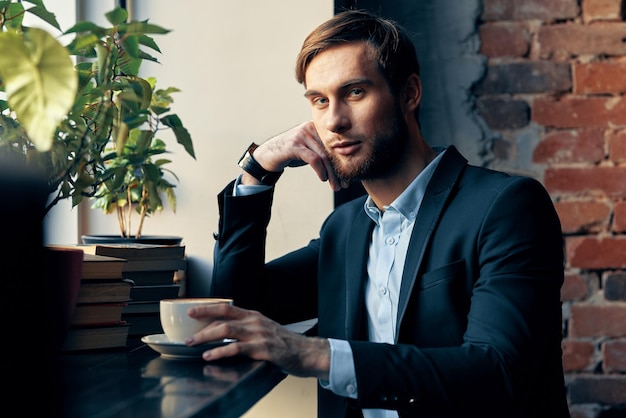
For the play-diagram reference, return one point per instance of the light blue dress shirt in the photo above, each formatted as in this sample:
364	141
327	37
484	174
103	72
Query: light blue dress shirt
387	252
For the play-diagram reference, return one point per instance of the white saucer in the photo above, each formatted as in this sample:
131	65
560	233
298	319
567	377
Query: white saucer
177	350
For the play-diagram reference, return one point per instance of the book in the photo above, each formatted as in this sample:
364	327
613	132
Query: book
140	251
171	264
151	307
101	291
97	314
157	257
141	271
147	293
89	338
156	277
101	267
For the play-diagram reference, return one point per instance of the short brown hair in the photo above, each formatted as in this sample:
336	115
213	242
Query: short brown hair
394	50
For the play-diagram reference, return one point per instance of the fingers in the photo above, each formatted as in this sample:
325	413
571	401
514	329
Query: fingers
216	310
228	321
318	158
259	338
298	146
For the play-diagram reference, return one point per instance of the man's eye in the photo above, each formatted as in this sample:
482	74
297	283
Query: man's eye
355	92
320	101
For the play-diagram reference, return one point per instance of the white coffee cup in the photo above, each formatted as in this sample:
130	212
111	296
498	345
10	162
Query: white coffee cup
176	324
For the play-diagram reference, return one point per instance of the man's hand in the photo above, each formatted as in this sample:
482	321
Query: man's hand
260	338
296	147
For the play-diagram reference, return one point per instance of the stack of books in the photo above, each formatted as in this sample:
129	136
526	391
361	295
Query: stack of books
157	272
97	321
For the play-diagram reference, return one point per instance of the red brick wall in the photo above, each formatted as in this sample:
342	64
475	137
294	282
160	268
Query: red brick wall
559	66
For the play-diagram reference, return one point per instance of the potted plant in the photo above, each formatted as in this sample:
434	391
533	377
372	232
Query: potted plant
92	127
135	179
82	126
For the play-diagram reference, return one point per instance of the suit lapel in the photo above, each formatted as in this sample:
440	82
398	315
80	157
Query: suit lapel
357	251
437	194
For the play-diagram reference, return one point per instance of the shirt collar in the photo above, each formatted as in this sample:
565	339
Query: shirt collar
410	199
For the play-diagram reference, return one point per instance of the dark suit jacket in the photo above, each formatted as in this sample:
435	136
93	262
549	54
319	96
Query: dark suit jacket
479	321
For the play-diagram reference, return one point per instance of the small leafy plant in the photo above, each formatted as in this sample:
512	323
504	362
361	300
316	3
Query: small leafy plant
92	126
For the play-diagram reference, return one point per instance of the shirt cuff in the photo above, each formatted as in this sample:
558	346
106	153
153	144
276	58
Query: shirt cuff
247	189
342	377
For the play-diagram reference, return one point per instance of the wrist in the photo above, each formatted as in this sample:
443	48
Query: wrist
253	170
317	360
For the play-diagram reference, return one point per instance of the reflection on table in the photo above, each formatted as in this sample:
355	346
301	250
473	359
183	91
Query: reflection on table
139	383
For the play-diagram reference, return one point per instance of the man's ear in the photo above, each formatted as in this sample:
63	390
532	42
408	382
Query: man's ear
412	93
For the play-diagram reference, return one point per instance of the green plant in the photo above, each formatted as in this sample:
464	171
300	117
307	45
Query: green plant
93	126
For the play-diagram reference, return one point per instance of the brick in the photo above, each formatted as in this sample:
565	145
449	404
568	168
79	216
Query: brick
571	146
608	390
601	10
579	111
614	353
617	146
501	149
545	10
588	252
603	180
598	320
504	39
599	77
615	286
569	39
582	216
503	113
619	217
577	355
525	77
575	287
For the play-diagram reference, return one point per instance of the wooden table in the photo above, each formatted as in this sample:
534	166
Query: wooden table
139	383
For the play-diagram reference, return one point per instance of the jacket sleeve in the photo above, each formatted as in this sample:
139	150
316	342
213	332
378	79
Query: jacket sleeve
283	289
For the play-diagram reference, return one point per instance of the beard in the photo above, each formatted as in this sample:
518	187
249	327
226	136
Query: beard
387	146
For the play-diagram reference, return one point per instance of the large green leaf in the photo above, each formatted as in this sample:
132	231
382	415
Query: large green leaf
149	42
117	16
45	15
14	15
181	133
40	82
141	28
131	46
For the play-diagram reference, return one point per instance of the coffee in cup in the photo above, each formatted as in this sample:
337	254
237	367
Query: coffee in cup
176	324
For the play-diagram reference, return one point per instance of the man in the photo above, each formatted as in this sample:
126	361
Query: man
437	294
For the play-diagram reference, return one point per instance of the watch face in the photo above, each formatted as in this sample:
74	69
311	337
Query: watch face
243	159
248	152
256	170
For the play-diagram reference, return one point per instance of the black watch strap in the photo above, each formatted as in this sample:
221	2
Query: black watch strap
252	167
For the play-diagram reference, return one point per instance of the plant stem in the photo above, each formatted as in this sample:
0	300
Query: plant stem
130	212
120	220
142	215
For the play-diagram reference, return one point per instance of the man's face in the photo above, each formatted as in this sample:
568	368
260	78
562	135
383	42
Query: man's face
355	113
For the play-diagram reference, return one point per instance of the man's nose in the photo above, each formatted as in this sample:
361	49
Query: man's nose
337	118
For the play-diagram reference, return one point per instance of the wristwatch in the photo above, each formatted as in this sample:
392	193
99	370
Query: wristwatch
252	167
